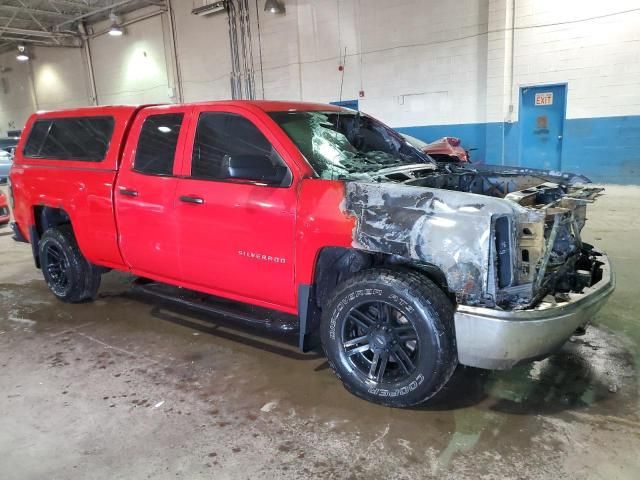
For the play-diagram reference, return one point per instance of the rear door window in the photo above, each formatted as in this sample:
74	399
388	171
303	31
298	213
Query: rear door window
157	144
82	139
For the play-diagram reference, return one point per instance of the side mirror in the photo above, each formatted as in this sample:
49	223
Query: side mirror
256	168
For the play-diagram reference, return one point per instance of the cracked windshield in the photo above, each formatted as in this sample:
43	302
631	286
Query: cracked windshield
347	144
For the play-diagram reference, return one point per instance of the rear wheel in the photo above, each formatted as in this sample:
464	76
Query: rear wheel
68	274
389	337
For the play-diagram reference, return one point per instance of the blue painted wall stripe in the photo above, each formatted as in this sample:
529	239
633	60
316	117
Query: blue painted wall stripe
606	149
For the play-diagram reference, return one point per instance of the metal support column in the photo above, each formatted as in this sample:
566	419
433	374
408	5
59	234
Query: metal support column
177	75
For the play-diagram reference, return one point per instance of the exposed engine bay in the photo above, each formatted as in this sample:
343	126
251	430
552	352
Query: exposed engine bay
504	237
535	254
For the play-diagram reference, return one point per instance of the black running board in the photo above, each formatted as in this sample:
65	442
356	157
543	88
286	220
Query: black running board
248	315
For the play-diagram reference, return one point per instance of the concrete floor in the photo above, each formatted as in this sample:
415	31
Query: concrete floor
124	388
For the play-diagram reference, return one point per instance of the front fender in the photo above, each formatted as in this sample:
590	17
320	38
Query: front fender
451	230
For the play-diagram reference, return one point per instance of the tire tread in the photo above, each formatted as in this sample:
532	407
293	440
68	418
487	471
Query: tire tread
89	276
428	293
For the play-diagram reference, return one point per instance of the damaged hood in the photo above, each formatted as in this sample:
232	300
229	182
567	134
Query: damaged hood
501	236
451	230
490	232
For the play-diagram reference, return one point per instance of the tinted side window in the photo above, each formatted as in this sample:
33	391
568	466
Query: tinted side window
86	139
219	135
157	144
36	138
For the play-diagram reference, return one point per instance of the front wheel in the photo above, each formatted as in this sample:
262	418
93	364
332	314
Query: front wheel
389	337
68	274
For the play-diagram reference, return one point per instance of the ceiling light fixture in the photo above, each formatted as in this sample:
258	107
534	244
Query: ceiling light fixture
22	54
274	6
115	30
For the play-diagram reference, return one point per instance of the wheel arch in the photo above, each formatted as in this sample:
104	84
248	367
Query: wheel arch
45	217
332	266
419	338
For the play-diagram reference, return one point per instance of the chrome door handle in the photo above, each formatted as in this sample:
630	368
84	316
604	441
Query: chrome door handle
190	199
127	192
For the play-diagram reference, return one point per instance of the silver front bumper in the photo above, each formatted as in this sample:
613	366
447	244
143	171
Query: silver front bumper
500	339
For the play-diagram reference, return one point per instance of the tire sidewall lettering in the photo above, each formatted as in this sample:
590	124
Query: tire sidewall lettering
383	392
408	308
405	305
365	292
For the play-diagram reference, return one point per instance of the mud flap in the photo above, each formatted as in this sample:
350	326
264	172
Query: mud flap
308	318
34	239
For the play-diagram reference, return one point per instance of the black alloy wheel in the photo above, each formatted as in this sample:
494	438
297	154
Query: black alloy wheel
389	336
68	274
57	266
380	342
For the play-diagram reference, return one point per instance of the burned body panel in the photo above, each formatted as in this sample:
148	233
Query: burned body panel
501	239
504	241
451	230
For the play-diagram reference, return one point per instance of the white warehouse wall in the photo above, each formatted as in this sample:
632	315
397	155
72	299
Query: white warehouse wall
428	67
132	69
431	68
415	61
593	48
599	57
55	78
203	54
16	93
60	78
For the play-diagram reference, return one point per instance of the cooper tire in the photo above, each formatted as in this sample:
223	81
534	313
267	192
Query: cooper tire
398	362
70	277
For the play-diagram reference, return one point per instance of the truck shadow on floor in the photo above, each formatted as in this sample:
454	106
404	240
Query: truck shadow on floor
581	375
591	370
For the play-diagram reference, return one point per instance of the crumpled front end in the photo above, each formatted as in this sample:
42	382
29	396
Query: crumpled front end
498	339
522	277
452	231
548	256
501	238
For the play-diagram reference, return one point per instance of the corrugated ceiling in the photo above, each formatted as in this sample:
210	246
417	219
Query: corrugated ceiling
55	22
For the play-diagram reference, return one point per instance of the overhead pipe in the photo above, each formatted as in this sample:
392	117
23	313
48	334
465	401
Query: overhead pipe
38	42
250	69
35	33
513	57
65	3
32	86
243	46
236	84
510	108
260	49
82	29
247	50
174	52
50	13
242	71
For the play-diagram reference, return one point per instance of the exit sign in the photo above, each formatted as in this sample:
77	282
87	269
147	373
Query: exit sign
544	98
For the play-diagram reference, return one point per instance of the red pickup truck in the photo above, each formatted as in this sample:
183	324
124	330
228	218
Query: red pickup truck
403	267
